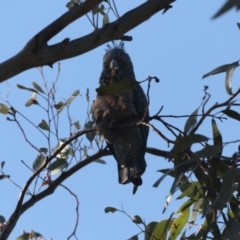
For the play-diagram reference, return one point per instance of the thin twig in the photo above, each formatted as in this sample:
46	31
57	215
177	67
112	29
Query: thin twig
225	103
77	213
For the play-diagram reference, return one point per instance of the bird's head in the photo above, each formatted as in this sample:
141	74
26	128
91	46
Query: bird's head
117	65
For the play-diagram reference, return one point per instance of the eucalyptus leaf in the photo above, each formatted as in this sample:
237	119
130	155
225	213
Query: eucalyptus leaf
77	125
209	151
100	161
149	229
3	109
238	24
229	69
57	166
137	219
43	150
232	114
175	184
71	4
37	87
26	88
191	122
43	125
90	135
58	105
179	223
161	229
228	5
135	237
38	162
110	209
2	164
69	100
105	19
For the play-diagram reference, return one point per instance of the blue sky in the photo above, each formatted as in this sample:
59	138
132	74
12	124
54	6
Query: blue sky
178	47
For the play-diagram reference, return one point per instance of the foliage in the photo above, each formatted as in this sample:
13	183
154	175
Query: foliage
207	180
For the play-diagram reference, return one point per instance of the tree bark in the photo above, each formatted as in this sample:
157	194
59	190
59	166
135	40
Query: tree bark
38	53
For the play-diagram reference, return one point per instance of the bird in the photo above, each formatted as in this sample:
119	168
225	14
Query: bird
116	117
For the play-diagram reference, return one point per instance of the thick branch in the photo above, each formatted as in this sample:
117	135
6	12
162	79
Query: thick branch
20	209
38	53
34	199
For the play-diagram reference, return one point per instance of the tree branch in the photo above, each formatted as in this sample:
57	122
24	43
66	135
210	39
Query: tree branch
37	53
22	207
215	106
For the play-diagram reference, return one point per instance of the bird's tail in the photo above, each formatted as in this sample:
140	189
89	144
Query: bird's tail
132	174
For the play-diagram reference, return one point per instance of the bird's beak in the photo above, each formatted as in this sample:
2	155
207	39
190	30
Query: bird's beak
113	64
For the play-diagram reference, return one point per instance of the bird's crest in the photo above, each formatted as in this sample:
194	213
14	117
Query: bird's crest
119	45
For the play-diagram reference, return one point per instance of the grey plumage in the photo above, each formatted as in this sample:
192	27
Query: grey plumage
115	115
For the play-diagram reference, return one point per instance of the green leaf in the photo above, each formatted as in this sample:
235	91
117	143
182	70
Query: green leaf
185	206
205	228
85	151
26	88
185	142
229	69
90	135
197	209
209	151
32	100
29	236
238	24
101	10
228	188
228	78
43	125
77	125
217	136
178	224
2	164
149	229
58	165
230	177
95	10
191	122
161	229
137	219
69	100
174	186
123	86
110	209
63	154
100	161
72	4
221	69
2	219
43	150
229	4
58	105
105	19
232	114
3	109
37	87
70	152
135	237
38	162
173	173
191	191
